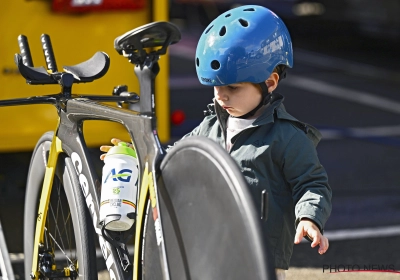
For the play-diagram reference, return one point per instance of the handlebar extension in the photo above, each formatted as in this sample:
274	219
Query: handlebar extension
25	50
48	53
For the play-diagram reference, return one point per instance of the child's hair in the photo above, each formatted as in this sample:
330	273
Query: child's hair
244	44
281	71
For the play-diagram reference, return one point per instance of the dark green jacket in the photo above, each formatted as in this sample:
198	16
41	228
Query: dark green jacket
277	154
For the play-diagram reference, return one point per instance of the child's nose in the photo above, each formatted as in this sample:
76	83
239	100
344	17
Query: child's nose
220	93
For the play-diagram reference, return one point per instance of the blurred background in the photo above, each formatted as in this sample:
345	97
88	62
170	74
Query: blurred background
345	81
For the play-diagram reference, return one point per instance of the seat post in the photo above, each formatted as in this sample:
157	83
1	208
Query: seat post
146	75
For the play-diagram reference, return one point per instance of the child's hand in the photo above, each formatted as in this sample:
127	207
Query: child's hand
307	227
115	142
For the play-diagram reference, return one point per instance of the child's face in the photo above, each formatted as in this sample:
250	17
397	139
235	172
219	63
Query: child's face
238	99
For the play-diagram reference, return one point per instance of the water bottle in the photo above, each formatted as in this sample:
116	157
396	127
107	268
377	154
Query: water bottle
119	188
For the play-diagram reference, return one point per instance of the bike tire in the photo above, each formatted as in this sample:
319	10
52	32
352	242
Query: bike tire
67	205
6	269
211	227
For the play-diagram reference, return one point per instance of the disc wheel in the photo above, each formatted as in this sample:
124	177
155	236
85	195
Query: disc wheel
211	228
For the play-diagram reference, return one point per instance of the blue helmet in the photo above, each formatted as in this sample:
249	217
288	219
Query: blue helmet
244	44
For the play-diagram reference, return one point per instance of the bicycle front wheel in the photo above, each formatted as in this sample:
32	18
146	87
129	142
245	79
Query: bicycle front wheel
68	240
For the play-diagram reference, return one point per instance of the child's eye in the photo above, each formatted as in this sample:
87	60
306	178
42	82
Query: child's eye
232	87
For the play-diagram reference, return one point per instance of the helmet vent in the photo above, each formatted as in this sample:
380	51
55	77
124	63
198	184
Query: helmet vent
215	64
228	15
243	22
197	62
249	10
222	32
208	30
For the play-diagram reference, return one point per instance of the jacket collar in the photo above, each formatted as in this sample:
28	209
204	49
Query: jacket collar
276	109
266	117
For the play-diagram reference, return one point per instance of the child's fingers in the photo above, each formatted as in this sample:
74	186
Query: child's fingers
315	239
324	245
299	234
105	148
115	141
322	241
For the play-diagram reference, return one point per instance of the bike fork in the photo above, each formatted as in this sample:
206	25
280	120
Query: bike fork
55	150
147	187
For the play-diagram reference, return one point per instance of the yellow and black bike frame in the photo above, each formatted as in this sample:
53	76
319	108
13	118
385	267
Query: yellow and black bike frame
147	190
69	139
55	150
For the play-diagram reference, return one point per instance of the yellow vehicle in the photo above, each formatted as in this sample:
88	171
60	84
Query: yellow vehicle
78	29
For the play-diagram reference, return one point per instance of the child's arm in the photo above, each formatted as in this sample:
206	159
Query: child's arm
310	190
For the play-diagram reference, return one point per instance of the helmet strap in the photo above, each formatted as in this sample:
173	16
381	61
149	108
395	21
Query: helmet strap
265	99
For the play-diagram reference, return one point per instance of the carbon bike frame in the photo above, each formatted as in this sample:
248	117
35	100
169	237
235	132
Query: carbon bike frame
68	139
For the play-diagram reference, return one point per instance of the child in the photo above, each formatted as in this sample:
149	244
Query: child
243	54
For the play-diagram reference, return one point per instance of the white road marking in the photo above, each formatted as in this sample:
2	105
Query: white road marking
356	96
312	85
361	132
323	88
361	233
183	51
190	82
356	68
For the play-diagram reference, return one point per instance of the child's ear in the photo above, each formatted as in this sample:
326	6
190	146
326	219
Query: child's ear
272	81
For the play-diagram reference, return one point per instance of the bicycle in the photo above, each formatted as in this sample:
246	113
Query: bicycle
195	193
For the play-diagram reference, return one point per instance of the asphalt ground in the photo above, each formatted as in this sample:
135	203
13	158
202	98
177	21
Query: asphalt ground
348	87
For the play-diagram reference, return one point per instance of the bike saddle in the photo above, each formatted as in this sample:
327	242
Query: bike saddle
151	35
88	71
